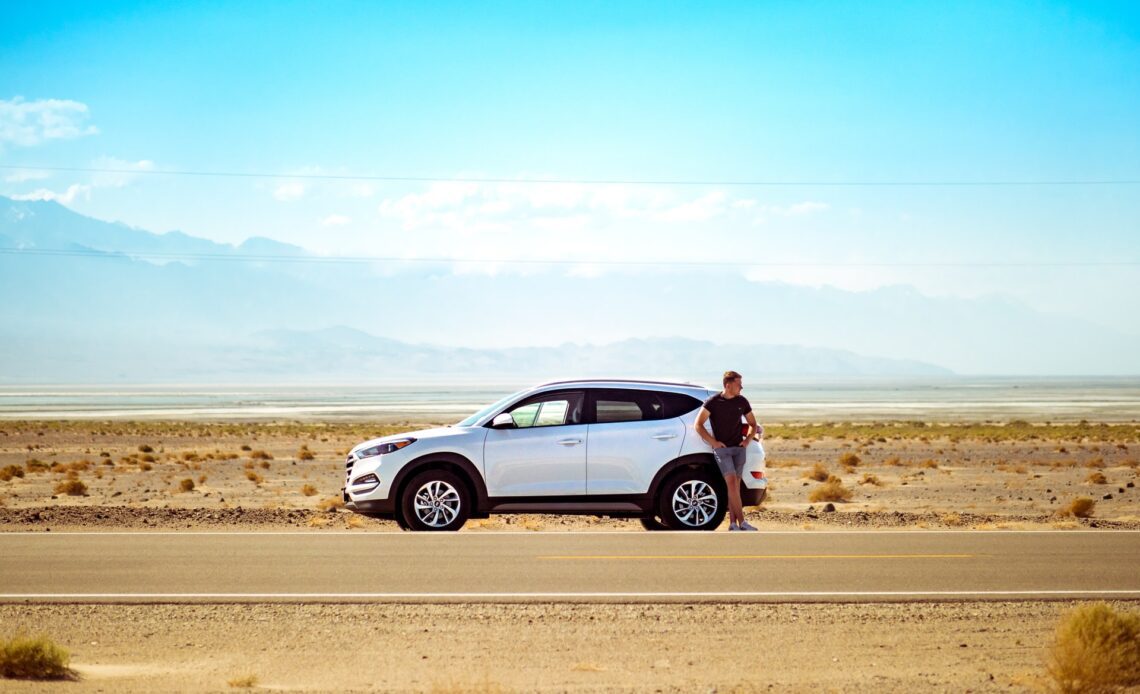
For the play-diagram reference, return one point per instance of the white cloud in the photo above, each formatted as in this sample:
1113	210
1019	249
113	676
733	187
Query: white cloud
702	209
29	123
287	192
119	173
66	197
335	220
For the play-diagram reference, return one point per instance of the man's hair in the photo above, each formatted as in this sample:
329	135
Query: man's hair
729	377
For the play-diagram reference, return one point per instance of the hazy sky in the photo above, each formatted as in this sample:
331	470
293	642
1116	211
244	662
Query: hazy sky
609	91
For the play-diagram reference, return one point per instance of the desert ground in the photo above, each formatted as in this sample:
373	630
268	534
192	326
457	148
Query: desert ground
115	475
105	476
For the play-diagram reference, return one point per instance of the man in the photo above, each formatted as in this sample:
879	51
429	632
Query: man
729	439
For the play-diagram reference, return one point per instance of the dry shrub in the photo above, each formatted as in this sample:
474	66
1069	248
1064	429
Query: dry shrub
305	454
1097	462
951	519
246	447
146	467
148	458
34	659
1096	478
831	490
202	479
186	485
10	471
930	464
145	449
71	488
254	477
308	490
354	521
1081	507
894	461
264	464
818	473
35	465
1095	649
330	504
870	479
260	455
79	466
243	682
849	459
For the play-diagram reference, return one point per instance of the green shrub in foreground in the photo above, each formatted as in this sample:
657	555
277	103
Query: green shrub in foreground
34	659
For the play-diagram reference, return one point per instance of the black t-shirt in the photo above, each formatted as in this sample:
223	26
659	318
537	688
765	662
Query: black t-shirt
724	415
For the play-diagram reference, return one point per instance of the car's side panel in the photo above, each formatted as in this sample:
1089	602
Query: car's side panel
537	461
623	457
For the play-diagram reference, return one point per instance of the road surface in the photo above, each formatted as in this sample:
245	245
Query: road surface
605	566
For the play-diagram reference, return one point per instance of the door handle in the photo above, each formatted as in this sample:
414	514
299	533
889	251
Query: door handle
664	437
569	442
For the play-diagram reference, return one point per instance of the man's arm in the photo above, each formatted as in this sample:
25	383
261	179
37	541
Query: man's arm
754	429
702	417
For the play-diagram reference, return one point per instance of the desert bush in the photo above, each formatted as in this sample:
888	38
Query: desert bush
71	488
305	454
871	480
35	465
1096	478
831	490
818	473
1095	649
246	447
10	471
1081	507
893	461
254	477
849	459
36	658
264	464
145	449
202	479
186	485
330	504
260	455
243	682
951	519
308	490
930	464
146	467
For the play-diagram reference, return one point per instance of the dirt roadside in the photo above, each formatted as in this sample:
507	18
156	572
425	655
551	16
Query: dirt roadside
980	647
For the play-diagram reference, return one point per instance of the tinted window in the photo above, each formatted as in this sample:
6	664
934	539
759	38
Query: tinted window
677	404
626	406
549	409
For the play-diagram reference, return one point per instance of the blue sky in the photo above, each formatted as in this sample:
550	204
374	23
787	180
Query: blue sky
796	91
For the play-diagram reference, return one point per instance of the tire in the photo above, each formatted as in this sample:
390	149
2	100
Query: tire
400	522
435	500
692	500
652	523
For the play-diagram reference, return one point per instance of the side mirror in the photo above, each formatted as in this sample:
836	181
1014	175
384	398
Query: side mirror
503	421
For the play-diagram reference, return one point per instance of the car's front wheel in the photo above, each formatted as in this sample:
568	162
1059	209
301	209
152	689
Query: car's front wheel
692	500
435	500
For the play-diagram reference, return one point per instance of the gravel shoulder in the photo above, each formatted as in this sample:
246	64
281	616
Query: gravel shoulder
976	647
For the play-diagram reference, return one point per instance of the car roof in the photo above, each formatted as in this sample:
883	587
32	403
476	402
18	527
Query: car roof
635	384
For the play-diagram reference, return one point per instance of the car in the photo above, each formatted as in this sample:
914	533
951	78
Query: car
618	448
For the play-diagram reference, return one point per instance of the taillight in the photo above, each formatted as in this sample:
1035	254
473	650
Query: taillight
758	474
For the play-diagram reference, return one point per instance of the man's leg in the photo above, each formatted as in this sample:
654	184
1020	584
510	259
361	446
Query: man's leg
735	509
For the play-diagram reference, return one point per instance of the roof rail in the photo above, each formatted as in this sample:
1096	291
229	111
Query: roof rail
621	380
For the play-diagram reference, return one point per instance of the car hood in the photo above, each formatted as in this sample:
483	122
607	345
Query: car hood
437	433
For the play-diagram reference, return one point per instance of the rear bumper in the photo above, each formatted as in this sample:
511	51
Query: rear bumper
751	497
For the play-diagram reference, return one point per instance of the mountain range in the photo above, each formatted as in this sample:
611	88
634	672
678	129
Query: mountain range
91	301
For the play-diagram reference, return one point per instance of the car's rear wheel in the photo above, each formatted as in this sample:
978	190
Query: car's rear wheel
692	500
435	500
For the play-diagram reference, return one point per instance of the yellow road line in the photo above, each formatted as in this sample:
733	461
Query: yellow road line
625	557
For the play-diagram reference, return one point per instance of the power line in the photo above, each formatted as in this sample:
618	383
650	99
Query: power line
315	259
585	181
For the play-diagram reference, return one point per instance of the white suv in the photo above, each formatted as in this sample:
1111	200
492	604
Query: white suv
613	448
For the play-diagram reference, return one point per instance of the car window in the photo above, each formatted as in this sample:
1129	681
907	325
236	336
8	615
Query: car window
626	406
677	404
549	409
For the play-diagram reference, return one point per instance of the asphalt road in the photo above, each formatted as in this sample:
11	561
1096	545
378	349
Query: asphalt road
609	566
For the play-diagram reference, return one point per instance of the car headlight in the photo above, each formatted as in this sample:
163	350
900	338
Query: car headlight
384	448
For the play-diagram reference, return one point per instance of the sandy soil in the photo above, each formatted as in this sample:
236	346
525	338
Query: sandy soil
952	647
261	475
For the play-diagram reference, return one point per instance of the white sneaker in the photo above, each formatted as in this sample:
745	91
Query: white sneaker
747	526
733	527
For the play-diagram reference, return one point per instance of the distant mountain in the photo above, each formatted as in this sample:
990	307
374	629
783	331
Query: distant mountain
107	302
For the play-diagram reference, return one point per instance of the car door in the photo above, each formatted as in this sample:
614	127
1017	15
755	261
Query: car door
630	439
544	454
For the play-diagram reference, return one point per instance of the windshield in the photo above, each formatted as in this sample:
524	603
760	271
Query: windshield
470	421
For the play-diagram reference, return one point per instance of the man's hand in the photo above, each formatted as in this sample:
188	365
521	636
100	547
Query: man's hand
718	444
